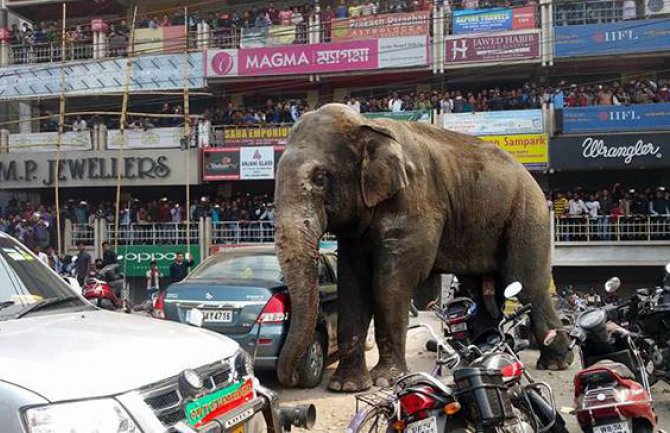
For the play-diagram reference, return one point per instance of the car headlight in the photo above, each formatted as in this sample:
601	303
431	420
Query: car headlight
243	364
93	416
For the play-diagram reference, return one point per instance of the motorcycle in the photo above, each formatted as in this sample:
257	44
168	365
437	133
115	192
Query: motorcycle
612	391
487	394
107	289
648	316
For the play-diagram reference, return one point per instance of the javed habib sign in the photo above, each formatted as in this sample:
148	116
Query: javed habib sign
96	168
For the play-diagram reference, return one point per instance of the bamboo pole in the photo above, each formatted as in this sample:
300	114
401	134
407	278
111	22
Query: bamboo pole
122	126
61	127
187	135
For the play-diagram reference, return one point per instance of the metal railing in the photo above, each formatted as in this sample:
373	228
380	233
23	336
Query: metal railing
617	229
235	232
571	12
48	52
82	233
165	233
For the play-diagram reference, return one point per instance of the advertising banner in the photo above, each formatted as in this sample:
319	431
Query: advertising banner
610	152
381	26
493	47
153	138
493	20
46	141
96	77
240	163
613	38
137	258
267	36
255	135
495	122
92	168
616	118
412	116
532	150
319	58
160	40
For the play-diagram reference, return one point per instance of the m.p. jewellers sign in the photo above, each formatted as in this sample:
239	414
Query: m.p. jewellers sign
615	152
97	168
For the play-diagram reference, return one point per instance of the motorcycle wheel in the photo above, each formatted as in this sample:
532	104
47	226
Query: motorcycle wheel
373	419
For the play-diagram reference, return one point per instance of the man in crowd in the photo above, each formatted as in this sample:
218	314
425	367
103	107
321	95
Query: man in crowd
179	269
83	263
108	254
153	279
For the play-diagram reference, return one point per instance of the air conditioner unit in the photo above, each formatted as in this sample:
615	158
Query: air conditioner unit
656	7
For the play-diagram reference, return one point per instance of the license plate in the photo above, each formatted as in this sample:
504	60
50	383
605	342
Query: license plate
204	409
459	327
618	427
428	425
218	315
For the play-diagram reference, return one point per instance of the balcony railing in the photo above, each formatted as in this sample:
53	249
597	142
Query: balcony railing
612	229
571	12
48	53
155	233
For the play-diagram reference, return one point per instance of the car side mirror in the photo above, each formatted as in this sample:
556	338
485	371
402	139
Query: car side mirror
667	268
513	289
612	285
195	317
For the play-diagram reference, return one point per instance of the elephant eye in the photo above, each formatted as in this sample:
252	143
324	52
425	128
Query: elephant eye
319	179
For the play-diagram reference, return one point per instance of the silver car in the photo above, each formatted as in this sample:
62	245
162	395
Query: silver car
66	366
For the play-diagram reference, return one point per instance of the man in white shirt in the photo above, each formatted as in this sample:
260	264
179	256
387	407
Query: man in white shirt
576	211
447	104
395	103
593	205
353	104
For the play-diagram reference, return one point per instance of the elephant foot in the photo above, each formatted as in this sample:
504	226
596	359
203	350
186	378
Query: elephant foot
552	362
350	381
385	375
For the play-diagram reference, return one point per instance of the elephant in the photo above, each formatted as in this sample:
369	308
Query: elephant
406	200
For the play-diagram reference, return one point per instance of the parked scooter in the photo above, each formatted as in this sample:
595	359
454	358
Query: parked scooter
107	289
612	392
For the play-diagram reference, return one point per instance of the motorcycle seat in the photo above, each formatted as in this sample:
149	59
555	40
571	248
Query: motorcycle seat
620	369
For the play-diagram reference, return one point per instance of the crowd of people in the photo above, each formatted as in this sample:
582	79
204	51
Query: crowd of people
609	214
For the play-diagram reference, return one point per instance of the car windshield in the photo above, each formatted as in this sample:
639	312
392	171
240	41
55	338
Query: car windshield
247	267
24	281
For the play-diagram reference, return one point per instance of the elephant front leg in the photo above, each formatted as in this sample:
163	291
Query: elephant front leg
354	314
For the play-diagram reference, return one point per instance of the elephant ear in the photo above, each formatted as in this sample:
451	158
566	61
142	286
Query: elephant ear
383	166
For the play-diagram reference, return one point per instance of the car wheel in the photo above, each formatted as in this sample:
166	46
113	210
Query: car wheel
312	363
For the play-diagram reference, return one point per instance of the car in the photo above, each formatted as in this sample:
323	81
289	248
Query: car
242	293
67	366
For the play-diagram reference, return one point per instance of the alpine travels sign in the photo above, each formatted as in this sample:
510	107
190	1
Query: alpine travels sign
626	151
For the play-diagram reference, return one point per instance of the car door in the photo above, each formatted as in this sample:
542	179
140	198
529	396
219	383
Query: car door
328	292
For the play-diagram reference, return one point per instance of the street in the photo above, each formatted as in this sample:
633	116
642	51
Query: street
334	410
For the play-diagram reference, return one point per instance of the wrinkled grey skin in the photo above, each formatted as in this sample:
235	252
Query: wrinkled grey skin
405	200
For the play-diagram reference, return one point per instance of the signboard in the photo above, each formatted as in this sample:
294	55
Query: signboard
531	150
159	40
153	138
137	258
46	141
97	168
611	152
485	48
95	77
616	118
413	116
275	135
267	36
493	20
495	122
319	58
240	163
612	38
381	26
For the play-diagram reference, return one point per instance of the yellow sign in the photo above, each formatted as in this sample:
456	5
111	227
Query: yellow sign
232	135
531	150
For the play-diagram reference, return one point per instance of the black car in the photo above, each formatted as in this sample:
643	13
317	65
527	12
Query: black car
242	294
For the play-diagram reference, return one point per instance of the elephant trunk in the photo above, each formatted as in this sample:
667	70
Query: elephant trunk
296	239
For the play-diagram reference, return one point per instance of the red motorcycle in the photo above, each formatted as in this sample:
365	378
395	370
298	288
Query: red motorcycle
106	289
612	393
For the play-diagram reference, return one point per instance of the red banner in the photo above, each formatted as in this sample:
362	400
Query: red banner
483	48
381	26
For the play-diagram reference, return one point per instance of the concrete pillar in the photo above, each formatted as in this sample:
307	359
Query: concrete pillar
312	98
25	109
4	140
4	34
67	237
339	94
205	237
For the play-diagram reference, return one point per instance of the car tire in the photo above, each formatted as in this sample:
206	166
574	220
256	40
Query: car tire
313	363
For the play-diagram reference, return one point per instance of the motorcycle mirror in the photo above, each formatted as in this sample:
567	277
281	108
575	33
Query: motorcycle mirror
195	317
119	257
513	289
74	259
454	279
667	268
612	285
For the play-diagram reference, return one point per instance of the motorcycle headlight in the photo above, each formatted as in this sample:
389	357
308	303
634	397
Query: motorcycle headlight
93	416
243	364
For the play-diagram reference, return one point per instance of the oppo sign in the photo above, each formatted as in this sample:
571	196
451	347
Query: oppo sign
147	258
137	258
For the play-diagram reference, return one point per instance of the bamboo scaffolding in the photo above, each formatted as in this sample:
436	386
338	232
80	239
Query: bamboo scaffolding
122	124
187	134
59	140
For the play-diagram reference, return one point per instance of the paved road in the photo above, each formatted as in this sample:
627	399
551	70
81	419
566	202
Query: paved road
335	410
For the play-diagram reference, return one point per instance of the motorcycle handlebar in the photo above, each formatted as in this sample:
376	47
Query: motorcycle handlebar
520	312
